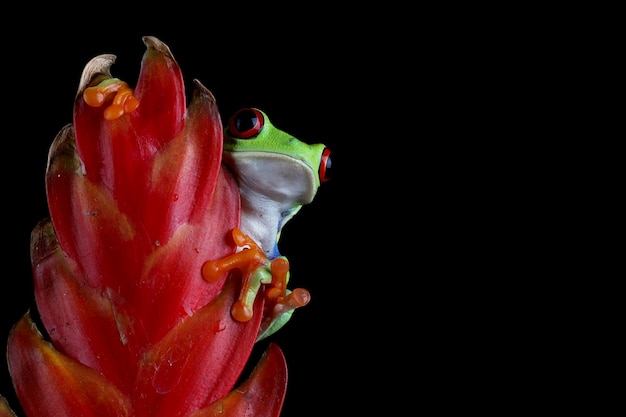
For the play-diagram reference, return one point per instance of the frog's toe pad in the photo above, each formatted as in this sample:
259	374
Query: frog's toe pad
241	312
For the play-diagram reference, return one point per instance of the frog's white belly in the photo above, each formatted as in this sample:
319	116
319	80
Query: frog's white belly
273	188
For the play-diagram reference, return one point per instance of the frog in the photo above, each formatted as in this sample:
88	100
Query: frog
277	175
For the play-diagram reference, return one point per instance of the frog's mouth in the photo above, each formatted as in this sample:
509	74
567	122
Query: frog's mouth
280	178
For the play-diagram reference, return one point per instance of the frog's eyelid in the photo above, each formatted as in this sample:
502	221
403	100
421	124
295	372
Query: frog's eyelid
246	123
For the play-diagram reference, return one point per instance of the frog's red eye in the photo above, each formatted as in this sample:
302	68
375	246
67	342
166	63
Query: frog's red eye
325	165
246	123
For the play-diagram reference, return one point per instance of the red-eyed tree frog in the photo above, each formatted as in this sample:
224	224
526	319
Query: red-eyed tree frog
277	174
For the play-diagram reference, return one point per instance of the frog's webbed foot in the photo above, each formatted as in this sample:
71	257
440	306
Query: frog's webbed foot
256	269
116	94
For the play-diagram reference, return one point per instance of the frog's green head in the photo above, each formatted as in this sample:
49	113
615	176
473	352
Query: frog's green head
272	163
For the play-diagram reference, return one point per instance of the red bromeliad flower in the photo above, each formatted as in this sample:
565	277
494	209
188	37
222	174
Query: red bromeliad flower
139	201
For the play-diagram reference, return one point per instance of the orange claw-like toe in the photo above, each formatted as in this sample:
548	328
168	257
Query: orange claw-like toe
123	100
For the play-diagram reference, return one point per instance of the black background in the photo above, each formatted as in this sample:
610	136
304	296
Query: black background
315	78
426	254
420	254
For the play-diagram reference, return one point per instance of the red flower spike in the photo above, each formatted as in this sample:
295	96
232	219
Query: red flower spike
139	200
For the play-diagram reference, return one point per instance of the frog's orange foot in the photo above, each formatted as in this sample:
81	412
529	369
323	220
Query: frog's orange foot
116	94
254	267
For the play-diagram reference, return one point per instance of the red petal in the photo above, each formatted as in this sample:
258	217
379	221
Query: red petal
161	94
198	361
262	395
185	172
82	323
87	221
49	384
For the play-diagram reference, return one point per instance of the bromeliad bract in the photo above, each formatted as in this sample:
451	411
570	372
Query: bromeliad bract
139	201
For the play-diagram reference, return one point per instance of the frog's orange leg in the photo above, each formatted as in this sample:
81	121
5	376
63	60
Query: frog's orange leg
256	269
123	100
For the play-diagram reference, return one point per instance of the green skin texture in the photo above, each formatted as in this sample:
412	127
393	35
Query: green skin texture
277	174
